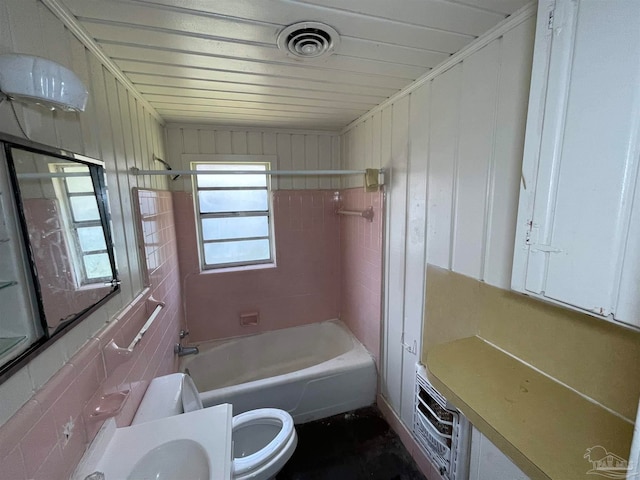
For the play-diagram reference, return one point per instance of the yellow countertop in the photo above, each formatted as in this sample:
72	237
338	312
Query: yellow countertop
543	426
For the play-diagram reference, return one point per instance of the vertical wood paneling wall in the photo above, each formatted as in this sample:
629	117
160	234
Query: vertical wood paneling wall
453	150
115	128
295	151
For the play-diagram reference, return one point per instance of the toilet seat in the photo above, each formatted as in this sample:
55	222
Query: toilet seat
281	442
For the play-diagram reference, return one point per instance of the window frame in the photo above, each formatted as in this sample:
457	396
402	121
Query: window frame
237	164
72	225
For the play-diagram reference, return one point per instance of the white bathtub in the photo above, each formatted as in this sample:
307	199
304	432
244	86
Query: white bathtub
313	371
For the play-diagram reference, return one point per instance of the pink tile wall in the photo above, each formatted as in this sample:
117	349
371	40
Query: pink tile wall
32	443
303	288
361	267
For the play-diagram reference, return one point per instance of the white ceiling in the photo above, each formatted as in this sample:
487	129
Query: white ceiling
216	61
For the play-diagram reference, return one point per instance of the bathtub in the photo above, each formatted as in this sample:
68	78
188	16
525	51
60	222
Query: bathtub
313	371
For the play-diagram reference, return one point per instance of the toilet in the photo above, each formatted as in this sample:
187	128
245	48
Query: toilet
263	439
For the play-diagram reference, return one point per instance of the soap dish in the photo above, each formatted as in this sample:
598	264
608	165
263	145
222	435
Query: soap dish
108	405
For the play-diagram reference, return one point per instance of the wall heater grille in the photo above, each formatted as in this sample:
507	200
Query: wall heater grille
440	429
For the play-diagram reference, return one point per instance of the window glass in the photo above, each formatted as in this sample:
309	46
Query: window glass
234	227
84	208
233	215
217	201
231	180
97	265
234	252
78	184
91	239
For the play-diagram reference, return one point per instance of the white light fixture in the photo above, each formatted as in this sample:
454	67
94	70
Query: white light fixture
32	79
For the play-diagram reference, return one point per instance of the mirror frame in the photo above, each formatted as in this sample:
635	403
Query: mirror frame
47	339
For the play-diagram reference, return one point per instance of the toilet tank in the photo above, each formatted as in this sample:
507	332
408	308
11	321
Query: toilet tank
163	398
190	396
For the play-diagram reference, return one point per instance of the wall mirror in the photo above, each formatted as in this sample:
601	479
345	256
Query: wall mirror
56	250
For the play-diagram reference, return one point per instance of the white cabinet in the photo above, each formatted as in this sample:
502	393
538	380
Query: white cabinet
578	233
487	462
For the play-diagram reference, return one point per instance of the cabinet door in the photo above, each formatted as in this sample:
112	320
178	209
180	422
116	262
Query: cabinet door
580	165
488	462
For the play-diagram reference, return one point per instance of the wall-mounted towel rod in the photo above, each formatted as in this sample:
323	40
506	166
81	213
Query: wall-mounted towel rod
125	352
366	213
137	171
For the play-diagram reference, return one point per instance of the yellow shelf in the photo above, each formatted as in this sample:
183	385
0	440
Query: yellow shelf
543	426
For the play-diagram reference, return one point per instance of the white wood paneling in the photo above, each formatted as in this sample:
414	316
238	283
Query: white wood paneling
458	182
106	130
415	242
396	246
504	184
477	128
173	49
443	156
388	369
295	150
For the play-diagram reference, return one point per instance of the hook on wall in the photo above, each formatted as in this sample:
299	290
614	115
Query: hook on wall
167	166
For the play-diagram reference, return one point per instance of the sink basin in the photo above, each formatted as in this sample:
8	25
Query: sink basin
175	459
191	446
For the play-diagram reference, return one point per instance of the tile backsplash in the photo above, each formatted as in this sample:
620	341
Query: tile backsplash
361	267
48	435
302	287
599	359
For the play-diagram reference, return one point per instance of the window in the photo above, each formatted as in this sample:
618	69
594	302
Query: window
82	220
234	215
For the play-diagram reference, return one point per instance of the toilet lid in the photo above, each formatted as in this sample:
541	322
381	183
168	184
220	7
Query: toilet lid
262	415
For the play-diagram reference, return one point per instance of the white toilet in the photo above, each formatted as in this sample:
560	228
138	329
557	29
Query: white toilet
263	439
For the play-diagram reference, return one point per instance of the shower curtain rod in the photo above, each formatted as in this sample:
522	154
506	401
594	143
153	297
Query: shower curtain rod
137	171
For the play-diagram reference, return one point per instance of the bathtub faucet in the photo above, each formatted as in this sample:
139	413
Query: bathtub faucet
182	351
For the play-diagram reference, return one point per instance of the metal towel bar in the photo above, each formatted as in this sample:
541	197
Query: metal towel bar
367	213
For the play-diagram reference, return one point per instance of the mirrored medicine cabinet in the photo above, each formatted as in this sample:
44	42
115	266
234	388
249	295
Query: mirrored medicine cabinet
57	261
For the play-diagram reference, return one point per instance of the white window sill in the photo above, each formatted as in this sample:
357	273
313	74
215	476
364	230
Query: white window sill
241	268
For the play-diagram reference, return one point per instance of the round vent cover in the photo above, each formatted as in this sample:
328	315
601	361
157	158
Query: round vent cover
308	40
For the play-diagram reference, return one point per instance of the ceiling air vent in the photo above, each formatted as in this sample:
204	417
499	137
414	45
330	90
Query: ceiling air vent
308	40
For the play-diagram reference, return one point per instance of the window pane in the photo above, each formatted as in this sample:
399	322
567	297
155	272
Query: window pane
91	239
215	201
236	180
234	227
78	184
97	265
84	208
236	252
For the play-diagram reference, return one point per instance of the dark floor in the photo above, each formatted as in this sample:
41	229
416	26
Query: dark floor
357	445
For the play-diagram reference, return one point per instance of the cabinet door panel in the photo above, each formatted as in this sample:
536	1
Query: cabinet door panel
488	462
592	203
581	157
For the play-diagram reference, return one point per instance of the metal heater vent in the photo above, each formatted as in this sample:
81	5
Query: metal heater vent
308	40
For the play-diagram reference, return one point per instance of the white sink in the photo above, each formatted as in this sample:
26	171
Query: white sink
191	446
175	459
